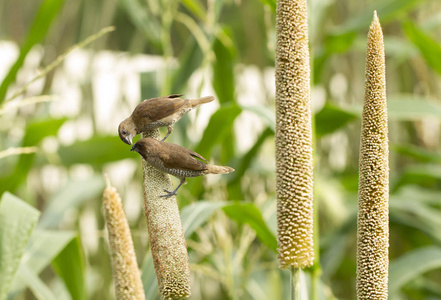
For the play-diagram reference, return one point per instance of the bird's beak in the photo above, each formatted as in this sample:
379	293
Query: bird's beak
133	148
129	139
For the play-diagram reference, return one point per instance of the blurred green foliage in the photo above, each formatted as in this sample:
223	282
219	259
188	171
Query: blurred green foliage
226	48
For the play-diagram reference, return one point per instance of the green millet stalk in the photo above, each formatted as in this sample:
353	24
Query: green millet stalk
373	191
167	242
293	137
126	275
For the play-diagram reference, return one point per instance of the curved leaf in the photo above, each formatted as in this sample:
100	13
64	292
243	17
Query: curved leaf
221	124
46	14
195	214
223	67
73	194
429	48
411	265
35	132
17	221
249	214
70	265
29	278
95	151
331	118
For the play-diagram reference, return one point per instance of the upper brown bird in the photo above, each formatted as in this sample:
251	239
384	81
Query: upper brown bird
157	112
175	160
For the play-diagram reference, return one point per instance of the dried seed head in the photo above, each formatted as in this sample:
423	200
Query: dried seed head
126	275
167	241
373	192
293	136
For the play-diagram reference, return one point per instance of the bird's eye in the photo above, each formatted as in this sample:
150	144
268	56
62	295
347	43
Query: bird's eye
124	132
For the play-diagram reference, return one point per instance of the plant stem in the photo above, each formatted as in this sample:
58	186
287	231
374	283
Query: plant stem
295	283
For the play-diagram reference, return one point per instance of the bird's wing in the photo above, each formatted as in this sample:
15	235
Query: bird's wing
181	158
157	108
197	155
173	96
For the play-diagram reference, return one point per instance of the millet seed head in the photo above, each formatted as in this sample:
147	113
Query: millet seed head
293	136
373	192
167	241
126	275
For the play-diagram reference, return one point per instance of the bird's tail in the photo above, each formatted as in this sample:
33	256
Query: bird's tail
212	169
197	102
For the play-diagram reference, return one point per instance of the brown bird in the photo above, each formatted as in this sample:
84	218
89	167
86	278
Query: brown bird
157	112
175	160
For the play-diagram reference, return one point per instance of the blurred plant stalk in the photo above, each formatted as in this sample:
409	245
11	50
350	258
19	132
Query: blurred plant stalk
293	141
17	151
373	190
126	274
60	59
166	234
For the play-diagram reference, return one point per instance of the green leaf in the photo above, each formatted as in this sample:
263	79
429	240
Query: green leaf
221	124
29	278
148	278
331	118
194	215
234	180
95	151
223	67
249	214
38	130
218	131
267	114
387	11
70	264
428	175
45	15
271	4
145	22
35	132
72	195
17	221
43	247
417	153
398	48
412	265
411	109
407	107
411	192
343	36
189	61
149	85
334	43
195	7
339	43
429	48
408	211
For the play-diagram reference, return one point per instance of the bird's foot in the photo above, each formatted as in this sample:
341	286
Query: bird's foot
170	194
170	129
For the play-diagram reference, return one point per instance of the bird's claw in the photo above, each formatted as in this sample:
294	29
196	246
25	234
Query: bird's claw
169	194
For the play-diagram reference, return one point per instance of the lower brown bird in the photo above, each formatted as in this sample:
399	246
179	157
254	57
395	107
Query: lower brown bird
157	112
175	160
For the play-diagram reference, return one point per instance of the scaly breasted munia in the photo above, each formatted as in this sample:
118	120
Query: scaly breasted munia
157	112
176	160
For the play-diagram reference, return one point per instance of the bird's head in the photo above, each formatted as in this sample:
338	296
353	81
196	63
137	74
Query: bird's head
127	131
144	146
